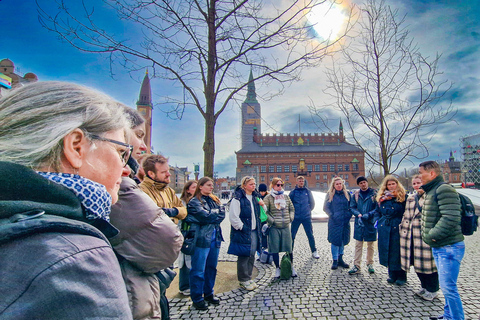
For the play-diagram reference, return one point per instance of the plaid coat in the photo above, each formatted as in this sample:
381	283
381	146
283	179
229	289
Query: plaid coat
410	231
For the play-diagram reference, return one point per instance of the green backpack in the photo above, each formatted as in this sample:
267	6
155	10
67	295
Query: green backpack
286	267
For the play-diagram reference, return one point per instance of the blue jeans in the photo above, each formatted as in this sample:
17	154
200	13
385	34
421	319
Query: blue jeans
448	259
337	250
203	272
307	226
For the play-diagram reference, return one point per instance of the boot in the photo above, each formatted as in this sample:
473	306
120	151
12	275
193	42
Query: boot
335	265
342	263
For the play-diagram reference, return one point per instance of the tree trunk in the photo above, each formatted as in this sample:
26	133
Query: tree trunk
209	146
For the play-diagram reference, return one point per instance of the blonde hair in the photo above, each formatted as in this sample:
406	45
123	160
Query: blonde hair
331	189
275	181
245	180
401	193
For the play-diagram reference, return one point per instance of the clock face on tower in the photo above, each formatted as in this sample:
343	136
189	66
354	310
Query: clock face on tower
143	112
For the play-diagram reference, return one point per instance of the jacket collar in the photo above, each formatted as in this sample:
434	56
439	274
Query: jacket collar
433	184
150	183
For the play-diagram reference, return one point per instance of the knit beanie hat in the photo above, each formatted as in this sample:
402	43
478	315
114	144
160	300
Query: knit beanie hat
262	187
360	179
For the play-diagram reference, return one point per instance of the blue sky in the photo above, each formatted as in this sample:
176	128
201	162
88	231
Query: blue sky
449	27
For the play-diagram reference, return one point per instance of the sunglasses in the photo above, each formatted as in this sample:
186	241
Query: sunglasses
279	184
124	155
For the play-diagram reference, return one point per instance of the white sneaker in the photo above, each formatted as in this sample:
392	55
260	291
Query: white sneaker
420	292
185	292
315	255
294	273
253	284
429	296
277	273
247	285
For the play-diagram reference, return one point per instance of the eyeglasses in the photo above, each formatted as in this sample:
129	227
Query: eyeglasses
124	155
279	184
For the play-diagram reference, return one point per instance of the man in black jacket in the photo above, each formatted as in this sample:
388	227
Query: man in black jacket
304	203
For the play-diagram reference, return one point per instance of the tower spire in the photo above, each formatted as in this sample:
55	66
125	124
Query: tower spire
251	94
340	129
145	107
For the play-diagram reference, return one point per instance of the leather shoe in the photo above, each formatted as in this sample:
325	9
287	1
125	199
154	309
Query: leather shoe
212	299
437	318
201	305
400	282
390	280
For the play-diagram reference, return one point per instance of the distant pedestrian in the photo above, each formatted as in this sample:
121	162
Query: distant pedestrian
262	189
337	207
280	212
185	261
245	232
391	207
363	205
205	213
413	250
302	199
441	230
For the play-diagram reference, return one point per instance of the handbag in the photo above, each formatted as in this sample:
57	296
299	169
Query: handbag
263	215
189	239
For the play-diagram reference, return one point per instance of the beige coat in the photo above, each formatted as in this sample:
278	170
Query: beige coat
164	197
410	230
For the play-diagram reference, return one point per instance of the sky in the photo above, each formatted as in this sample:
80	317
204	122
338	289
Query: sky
448	27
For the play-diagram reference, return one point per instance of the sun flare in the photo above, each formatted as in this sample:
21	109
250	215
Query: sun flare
328	20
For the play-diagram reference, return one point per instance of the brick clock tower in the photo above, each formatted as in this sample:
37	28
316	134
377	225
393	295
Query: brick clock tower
145	107
251	114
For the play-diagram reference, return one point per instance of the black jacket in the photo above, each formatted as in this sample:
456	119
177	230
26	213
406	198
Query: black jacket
364	229
205	217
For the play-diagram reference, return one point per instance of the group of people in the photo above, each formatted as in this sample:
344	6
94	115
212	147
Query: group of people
89	227
421	229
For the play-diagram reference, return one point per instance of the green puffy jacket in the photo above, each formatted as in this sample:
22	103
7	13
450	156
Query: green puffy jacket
441	216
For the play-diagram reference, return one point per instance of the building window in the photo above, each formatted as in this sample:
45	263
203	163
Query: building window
340	167
324	168
325	177
287	178
262	178
263	168
317	177
347	167
332	167
346	177
346	184
317	185
317	167
271	178
325	185
271	168
309	167
286	168
279	168
355	166
333	175
341	176
294	168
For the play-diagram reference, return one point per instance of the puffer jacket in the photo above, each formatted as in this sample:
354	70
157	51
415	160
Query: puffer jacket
303	201
441	214
339	215
164	197
279	218
54	263
363	228
205	216
241	240
147	243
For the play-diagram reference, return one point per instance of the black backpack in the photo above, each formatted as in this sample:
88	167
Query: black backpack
469	221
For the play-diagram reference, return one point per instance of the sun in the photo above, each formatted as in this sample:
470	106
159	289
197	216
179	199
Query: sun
327	20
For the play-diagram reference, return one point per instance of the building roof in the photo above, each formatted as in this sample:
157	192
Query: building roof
342	147
145	97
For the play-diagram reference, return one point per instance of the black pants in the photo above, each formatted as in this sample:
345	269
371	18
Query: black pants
429	281
397	275
307	226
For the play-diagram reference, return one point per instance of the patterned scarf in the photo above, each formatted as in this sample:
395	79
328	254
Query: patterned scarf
387	195
279	199
95	199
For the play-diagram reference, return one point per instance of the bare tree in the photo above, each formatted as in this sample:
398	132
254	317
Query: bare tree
206	47
390	94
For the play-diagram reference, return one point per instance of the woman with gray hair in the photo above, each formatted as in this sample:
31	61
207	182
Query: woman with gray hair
62	155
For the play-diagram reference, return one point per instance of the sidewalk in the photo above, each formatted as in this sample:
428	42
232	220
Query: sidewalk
322	293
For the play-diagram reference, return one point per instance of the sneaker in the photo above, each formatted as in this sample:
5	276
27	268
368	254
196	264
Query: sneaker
212	299
247	285
391	281
185	292
294	273
438	318
370	268
277	273
200	305
253	284
400	282
420	292
354	270
315	255
429	296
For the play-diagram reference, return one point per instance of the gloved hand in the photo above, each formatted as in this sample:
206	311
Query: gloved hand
171	212
265	229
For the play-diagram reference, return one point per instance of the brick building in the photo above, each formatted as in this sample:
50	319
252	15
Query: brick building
317	157
452	170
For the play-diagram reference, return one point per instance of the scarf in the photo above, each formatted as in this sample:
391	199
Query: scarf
279	199
387	195
93	196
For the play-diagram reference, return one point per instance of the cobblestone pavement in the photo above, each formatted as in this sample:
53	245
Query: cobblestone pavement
322	293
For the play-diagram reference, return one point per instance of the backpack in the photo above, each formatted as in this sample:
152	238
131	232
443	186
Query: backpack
286	267
469	220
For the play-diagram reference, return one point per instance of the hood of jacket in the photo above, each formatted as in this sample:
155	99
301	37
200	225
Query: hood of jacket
150	183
